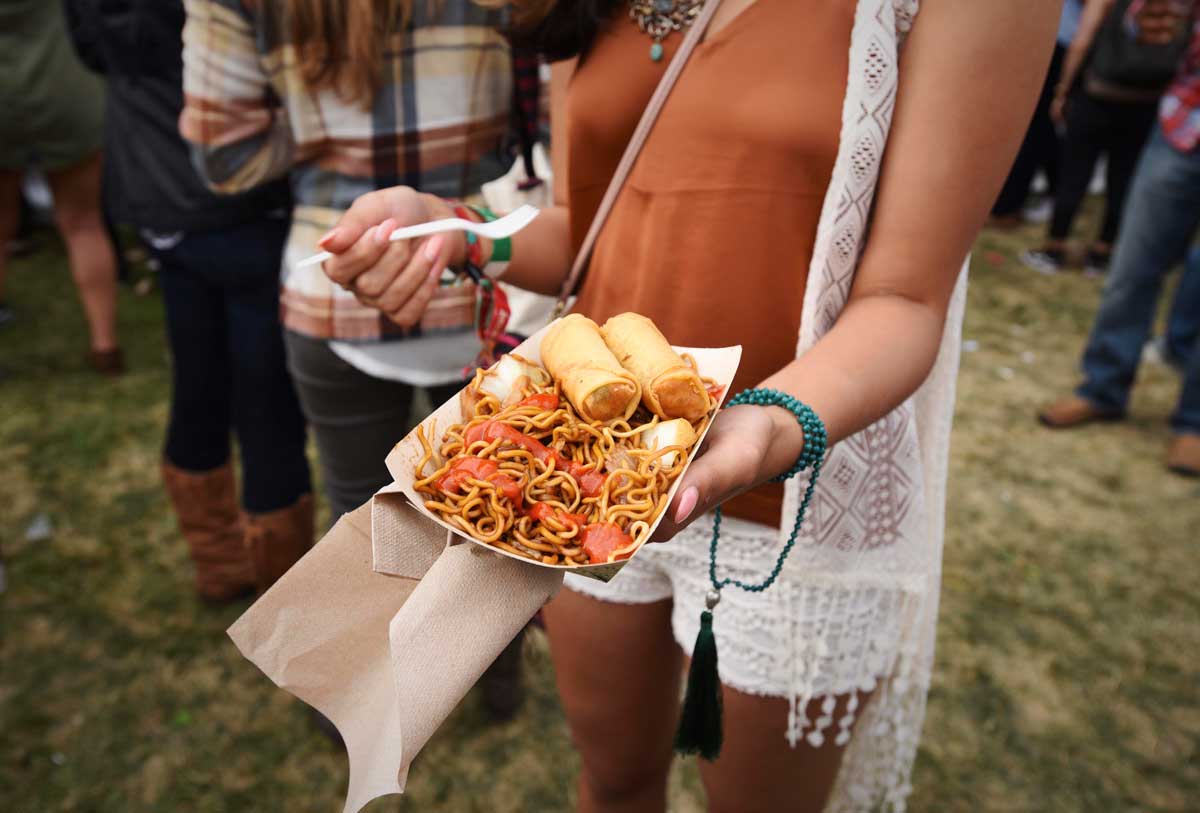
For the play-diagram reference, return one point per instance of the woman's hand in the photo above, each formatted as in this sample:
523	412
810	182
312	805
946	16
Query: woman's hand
399	278
747	446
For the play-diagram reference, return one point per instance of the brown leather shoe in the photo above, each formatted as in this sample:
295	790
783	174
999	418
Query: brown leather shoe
207	509
110	363
1075	411
277	539
1183	456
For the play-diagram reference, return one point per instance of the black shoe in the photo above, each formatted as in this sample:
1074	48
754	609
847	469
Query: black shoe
6	314
1096	262
503	688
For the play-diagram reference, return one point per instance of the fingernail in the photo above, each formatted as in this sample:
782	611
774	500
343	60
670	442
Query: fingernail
383	232
329	235
687	503
434	247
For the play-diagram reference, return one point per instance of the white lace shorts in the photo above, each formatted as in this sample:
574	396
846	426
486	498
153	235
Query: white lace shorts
801	633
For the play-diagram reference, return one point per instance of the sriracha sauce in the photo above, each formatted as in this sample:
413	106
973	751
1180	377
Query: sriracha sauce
590	481
545	401
600	539
541	510
479	469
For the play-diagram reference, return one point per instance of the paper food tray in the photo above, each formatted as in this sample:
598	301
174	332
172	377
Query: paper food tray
719	364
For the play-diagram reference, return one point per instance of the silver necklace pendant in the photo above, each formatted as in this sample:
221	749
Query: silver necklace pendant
658	18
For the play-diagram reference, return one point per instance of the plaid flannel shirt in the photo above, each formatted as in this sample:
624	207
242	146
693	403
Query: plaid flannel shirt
435	125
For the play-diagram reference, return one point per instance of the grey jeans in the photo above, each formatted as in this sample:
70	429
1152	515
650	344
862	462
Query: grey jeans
355	417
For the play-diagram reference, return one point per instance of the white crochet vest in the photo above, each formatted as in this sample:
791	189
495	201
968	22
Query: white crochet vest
877	518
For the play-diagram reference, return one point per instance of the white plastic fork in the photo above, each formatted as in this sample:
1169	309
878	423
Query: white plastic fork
497	229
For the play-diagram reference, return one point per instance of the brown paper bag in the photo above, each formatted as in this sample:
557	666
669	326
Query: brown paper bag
390	619
388	657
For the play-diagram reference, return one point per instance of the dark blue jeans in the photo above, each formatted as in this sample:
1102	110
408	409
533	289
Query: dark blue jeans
1161	217
221	291
1183	322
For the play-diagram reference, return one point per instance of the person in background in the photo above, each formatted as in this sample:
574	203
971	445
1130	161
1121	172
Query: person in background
1182	329
52	117
1106	100
219	270
1162	221
1041	148
368	96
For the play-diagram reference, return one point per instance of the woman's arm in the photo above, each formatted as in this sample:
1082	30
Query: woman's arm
1094	13
392	276
241	137
971	74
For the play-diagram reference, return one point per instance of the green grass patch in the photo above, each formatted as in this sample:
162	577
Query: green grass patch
1067	669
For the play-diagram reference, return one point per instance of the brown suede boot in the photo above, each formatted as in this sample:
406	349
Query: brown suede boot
1075	411
276	540
206	506
1183	456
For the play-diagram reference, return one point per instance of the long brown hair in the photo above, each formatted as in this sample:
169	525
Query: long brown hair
340	43
557	29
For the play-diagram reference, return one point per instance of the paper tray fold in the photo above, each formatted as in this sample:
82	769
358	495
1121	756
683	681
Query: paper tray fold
388	657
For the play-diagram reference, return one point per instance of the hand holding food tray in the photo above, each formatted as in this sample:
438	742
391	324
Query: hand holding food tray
567	451
384	628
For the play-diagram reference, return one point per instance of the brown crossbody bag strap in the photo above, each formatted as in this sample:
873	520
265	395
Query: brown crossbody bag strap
645	124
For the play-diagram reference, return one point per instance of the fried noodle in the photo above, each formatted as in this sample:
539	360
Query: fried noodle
534	479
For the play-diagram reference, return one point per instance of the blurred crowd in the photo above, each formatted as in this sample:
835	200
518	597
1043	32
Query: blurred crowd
142	154
1122	95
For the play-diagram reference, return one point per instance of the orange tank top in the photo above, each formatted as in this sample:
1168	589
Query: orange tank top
712	234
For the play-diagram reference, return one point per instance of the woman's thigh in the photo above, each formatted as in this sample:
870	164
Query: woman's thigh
758	771
618	672
76	192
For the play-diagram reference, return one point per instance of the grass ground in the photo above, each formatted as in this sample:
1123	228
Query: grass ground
1068	669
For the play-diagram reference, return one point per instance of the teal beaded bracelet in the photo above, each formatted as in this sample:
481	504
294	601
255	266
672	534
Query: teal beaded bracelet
812	455
700	730
815	439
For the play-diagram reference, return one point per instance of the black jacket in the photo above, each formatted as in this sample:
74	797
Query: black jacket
149	178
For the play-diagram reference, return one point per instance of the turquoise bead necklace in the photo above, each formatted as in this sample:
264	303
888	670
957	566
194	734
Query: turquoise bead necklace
658	18
700	729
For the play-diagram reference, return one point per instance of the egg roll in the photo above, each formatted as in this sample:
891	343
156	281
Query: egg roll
670	387
593	380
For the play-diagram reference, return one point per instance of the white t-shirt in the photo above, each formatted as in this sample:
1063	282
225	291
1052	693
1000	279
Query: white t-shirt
424	362
434	360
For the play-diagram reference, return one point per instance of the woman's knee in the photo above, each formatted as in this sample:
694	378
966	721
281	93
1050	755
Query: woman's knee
79	219
77	202
625	780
